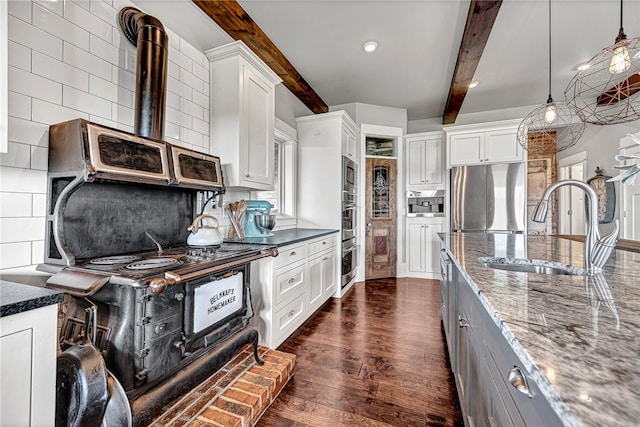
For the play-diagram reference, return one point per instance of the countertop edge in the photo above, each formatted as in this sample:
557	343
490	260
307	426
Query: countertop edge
289	236
17	298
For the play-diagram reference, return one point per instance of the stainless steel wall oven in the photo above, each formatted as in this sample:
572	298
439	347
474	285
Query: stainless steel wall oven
349	220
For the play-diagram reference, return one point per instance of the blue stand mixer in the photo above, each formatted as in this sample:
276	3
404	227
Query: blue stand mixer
254	208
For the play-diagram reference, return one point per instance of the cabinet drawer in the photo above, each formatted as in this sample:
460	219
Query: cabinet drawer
289	284
533	406
323	244
290	254
288	318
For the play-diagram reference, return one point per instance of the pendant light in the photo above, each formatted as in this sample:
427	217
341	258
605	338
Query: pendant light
551	127
605	92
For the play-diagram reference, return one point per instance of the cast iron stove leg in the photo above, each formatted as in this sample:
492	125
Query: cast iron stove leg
254	343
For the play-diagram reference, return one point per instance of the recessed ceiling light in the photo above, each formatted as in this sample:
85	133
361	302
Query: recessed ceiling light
583	66
370	46
473	84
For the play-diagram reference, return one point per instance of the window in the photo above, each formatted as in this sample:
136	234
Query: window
283	196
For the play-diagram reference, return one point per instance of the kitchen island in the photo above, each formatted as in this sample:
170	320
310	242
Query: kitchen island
574	338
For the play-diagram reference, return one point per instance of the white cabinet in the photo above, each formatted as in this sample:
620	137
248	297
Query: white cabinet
491	144
424	160
322	139
350	143
423	247
28	367
289	288
242	116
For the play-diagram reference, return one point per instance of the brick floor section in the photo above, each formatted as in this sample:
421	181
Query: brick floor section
236	395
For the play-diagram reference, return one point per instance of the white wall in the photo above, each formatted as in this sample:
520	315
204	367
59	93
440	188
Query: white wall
70	60
374	114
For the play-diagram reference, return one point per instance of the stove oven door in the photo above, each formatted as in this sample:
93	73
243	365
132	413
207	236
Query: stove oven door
216	307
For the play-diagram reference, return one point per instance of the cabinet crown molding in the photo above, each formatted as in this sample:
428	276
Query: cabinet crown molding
486	126
239	49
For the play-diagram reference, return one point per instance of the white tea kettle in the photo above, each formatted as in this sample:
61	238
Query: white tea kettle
204	235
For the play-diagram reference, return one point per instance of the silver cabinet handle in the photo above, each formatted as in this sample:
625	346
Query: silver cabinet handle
519	381
292	312
293	253
246	175
292	280
463	323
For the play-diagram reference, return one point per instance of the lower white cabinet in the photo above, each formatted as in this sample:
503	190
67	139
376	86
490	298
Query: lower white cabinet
423	247
289	288
28	367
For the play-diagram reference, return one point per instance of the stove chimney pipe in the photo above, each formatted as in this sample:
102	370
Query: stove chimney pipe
148	35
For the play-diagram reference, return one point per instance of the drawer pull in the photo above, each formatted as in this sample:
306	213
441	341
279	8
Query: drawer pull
325	258
463	323
324	243
519	381
293	253
292	280
291	313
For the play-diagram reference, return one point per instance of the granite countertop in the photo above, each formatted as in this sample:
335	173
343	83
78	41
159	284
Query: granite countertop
288	237
576	335
16	297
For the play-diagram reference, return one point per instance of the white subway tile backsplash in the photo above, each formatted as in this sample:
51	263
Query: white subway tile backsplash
37	252
103	88
15	255
191	137
194	110
21	229
17	155
124	78
20	9
16	180
123	115
28	132
201	126
85	19
67	60
35	86
104	49
179	88
201	99
60	27
83	101
19	56
58	71
39	203
19	105
15	205
175	116
34	38
84	60
181	59
40	158
191	80
201	72
196	56
45	112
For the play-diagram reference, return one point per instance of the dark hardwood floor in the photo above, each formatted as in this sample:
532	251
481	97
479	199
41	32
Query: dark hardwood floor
374	358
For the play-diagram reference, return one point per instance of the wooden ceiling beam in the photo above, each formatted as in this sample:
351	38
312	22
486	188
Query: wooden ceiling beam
232	18
480	19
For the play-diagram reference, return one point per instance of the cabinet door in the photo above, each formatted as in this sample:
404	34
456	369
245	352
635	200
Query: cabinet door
331	279
316	285
502	146
433	161
432	247
349	144
467	148
415	162
417	247
258	123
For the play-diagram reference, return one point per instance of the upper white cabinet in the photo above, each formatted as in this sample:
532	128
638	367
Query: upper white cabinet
242	114
486	143
321	143
424	160
350	143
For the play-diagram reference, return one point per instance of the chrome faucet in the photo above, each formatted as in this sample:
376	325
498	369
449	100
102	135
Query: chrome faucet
597	250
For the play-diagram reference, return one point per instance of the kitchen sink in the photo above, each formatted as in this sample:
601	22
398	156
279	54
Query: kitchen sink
536	266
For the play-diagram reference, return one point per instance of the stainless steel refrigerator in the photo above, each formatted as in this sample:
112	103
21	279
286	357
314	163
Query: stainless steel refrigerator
489	197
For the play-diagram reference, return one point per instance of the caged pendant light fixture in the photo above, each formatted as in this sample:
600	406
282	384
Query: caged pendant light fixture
551	127
605	92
